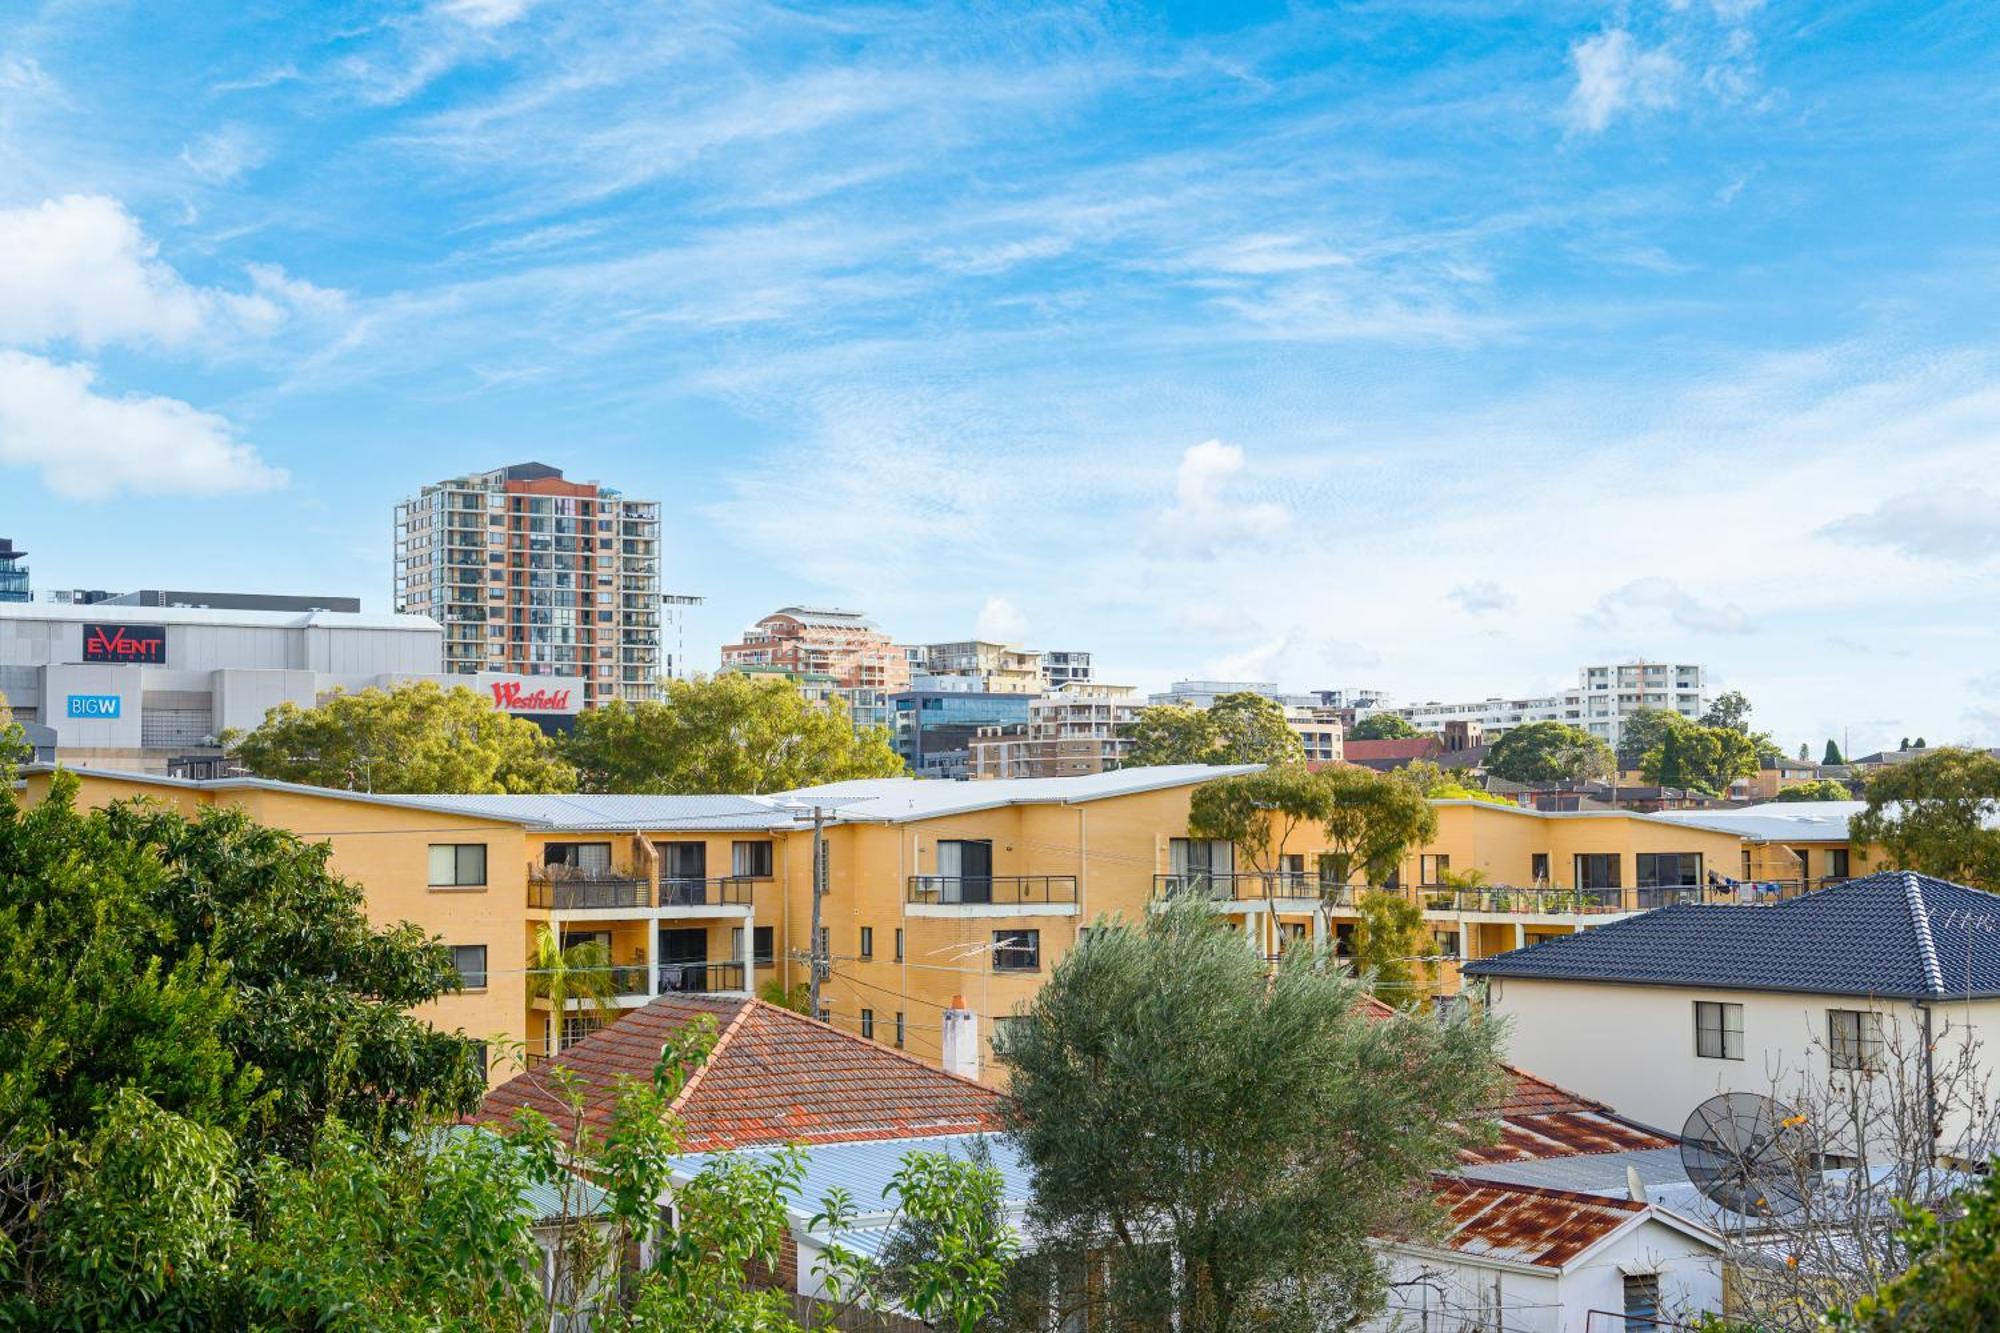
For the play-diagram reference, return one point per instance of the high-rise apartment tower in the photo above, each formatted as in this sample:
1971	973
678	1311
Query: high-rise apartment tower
531	573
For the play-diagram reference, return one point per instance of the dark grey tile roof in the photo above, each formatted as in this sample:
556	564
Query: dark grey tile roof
1895	934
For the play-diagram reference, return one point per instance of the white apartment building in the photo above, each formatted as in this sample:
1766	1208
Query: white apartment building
534	575
1317	722
1081	728
1060	668
1599	703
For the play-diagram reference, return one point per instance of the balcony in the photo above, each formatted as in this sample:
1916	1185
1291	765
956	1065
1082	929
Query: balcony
700	978
991	890
575	889
1246	887
726	891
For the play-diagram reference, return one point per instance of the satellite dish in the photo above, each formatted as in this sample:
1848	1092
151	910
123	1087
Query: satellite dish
1748	1153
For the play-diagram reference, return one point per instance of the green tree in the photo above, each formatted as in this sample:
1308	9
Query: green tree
415	738
1371	821
1239	728
1819	789
1832	755
728	733
948	1257
14	748
1642	730
1389	940
1953	1279
1549	752
1171	734
1229	1139
1935	814
1259	812
1731	709
1438	783
1383	727
1700	757
1251	729
577	973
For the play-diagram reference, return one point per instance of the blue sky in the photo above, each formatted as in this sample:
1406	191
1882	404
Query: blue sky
1437	346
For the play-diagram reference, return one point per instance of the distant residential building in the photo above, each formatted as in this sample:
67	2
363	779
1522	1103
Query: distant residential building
534	574
936	723
844	646
1001	668
1081	728
1060	668
1319	732
13	574
1602	699
213	601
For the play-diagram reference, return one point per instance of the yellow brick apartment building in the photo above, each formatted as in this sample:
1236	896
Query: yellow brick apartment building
941	890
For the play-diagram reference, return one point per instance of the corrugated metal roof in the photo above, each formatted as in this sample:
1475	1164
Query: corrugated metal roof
1896	934
1775	821
864	1170
639	812
897	800
1524	1224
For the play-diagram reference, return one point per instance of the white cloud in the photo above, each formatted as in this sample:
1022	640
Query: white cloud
81	269
1204	518
23	74
486	13
1000	621
1613	72
224	156
1482	596
89	446
1960	524
1681	607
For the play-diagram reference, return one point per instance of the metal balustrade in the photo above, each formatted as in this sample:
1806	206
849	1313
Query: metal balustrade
982	890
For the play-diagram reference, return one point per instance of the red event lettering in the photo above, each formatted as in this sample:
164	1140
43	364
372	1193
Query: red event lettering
509	695
117	643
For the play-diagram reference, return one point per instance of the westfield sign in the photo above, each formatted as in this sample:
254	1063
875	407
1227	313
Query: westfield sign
509	695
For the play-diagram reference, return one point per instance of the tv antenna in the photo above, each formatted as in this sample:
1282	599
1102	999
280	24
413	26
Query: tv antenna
1748	1153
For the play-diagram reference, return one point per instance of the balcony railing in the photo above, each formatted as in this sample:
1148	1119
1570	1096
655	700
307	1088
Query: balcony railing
573	888
1248	886
624	981
1009	890
700	978
726	891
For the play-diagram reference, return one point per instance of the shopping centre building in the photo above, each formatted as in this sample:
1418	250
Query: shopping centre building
139	687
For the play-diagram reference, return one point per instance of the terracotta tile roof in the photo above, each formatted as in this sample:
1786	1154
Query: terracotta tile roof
774	1077
1538	1119
1527	1224
1412	747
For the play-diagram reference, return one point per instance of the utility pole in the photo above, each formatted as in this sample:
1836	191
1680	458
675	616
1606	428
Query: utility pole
821	964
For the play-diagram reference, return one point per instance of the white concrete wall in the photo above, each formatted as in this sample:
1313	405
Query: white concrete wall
1633	1047
61	683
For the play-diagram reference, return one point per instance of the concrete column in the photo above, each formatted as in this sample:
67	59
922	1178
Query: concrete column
652	958
747	951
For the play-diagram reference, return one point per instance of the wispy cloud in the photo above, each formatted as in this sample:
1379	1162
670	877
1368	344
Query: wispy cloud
1615	74
224	156
1664	596
1960	525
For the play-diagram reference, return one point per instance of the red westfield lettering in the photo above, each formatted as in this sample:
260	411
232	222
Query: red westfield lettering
125	643
509	695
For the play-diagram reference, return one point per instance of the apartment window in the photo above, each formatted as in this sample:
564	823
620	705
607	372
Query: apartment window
1597	870
825	1014
750	860
825	945
868	941
1433	868
1854	1039
1538	867
1666	870
481	1058
458	865
575	1030
1836	863
1003	1032
899	1029
1718	1030
868	1024
761	949
899	944
1446	942
470	960
1017	951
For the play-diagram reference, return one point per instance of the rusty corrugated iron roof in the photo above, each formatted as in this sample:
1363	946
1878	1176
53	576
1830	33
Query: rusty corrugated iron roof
1527	1224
